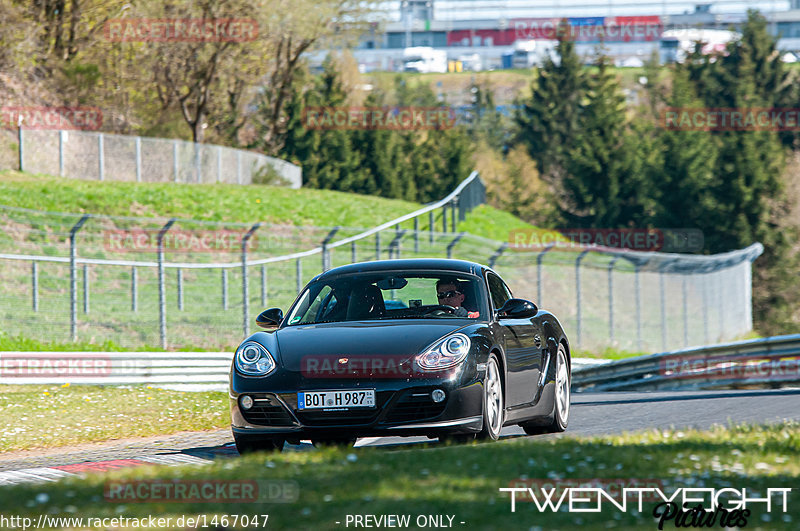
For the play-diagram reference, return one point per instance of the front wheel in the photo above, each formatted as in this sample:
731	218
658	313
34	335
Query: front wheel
493	404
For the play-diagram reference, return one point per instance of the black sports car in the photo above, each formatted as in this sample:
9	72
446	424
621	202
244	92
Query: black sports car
400	347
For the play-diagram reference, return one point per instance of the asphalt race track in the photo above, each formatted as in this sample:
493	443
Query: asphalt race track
591	414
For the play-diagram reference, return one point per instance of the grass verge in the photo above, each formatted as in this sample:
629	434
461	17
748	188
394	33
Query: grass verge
460	481
51	416
226	203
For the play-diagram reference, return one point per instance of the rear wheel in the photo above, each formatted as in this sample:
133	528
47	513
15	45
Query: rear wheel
493	403
247	445
562	398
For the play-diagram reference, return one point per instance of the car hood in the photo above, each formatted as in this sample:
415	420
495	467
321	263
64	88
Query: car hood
398	339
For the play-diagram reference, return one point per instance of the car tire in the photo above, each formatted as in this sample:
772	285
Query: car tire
561	405
247	445
493	401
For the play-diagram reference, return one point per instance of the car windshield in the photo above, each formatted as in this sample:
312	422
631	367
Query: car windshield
390	295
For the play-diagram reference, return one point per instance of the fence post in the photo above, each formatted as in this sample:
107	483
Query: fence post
133	289
35	284
175	160
100	156
198	171
579	315
377	246
162	299
245	301
21	149
299	273
353	252
611	299
61	153
500	250
326	256
219	164
685	313
430	225
705	312
73	278
416	235
263	285
539	272
638	307
85	288
138	159
453	244
394	247
224	289
453	205
444	218
179	275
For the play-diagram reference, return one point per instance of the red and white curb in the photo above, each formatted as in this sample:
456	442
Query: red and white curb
55	473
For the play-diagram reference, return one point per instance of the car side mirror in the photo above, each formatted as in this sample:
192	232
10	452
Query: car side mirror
270	318
517	309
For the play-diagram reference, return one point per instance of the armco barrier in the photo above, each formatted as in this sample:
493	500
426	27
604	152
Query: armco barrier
114	368
767	362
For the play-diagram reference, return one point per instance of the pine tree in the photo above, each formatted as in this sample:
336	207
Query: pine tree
603	185
548	120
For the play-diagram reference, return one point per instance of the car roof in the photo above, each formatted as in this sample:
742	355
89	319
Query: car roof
410	264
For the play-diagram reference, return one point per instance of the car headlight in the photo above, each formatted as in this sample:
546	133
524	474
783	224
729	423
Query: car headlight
445	353
253	359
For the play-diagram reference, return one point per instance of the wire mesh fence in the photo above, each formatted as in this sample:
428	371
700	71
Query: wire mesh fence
186	284
103	156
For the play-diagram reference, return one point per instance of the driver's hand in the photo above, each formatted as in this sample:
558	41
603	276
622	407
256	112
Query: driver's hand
460	312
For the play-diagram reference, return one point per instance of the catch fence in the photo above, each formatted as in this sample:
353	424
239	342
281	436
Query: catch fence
104	156
70	277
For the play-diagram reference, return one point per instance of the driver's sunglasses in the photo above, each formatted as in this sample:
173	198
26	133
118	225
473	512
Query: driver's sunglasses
448	294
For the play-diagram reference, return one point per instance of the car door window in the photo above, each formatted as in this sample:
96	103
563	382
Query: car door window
497	291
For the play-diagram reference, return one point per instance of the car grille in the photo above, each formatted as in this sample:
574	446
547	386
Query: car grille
413	407
267	413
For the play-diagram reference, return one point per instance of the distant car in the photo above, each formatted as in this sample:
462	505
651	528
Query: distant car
399	348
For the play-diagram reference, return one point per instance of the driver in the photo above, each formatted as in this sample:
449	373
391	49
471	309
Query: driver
451	293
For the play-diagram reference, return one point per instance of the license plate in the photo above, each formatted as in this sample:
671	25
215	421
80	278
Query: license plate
336	399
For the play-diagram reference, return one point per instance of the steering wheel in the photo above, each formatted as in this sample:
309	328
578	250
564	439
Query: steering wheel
443	308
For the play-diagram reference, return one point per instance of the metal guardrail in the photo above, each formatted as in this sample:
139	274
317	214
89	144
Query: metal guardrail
114	368
768	362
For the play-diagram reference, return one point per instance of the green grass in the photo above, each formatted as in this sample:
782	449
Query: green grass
462	481
224	203
52	416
